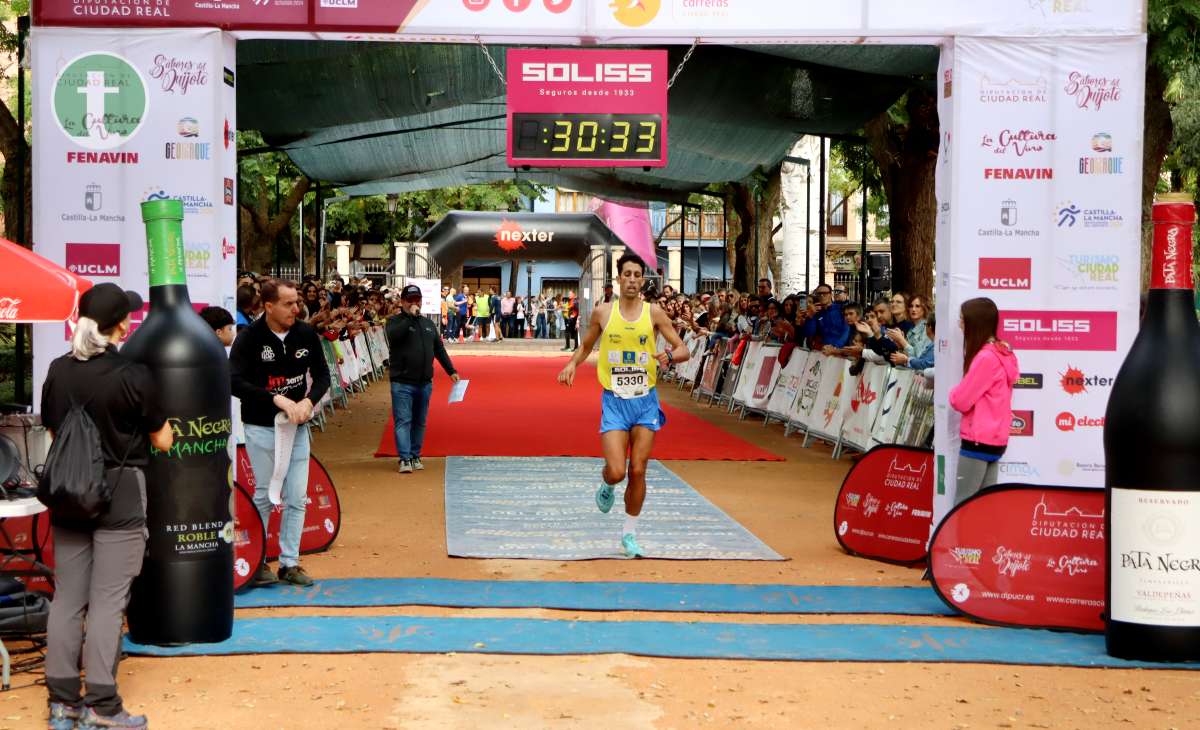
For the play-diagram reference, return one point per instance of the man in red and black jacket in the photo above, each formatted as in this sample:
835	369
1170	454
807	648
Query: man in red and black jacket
271	362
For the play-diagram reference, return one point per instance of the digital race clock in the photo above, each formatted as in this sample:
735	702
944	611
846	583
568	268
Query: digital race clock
569	107
587	136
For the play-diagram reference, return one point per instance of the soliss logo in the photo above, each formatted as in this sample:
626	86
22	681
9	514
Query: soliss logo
1081	326
600	73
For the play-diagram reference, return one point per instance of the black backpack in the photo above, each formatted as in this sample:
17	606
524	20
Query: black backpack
72	483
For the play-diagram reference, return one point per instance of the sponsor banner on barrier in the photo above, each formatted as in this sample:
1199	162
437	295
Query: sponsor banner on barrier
1024	556
787	386
809	391
885	506
322	514
866	399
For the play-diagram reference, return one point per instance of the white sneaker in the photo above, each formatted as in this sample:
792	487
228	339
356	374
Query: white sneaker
416	464
406	466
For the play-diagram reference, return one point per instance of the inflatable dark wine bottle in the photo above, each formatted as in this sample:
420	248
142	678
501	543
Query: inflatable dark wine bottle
185	591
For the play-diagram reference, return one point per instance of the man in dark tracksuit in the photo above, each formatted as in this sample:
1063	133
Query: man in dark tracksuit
270	363
413	343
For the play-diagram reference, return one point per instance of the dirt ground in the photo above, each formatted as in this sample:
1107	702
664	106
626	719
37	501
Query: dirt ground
393	527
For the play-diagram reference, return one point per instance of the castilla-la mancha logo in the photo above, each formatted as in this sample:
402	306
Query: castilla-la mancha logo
99	101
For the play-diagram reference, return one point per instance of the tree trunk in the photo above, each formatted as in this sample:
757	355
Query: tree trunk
741	200
771	195
1155	140
260	230
12	147
907	159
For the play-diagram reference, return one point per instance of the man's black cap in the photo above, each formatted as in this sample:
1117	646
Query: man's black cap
412	291
108	304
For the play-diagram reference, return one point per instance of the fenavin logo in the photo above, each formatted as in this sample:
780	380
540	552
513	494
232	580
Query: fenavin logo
99	101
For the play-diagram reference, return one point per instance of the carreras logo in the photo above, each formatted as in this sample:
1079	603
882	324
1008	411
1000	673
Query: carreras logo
1004	273
635	13
511	237
94	259
1067	330
1068	422
99	101
600	73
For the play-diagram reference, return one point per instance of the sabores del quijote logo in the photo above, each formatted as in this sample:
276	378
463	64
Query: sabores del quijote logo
1092	91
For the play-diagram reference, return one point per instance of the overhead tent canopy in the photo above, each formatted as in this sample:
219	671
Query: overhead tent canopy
394	117
462	235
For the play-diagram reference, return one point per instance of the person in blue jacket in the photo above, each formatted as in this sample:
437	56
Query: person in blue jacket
825	323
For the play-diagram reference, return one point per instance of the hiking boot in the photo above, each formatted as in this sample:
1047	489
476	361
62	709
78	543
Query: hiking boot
406	466
604	497
416	463
295	575
264	576
63	716
91	720
630	545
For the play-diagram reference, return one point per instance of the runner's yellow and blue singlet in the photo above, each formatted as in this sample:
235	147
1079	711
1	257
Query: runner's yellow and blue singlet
627	366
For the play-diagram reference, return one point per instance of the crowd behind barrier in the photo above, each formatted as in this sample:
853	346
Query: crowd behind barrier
810	392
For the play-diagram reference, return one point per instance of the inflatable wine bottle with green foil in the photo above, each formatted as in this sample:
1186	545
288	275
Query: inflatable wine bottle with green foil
185	591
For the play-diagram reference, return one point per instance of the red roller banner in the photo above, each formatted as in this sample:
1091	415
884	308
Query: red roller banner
1024	556
22	534
885	506
322	517
249	539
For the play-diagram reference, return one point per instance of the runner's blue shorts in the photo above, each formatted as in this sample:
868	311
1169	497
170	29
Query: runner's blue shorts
622	414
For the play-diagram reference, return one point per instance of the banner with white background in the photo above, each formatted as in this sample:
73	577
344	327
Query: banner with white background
1039	209
121	117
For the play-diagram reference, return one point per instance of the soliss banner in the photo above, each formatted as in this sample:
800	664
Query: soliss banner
885	505
1024	556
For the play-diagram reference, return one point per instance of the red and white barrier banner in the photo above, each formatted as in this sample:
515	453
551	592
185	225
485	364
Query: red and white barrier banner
787	386
712	367
866	400
885	506
760	370
896	391
322	514
1024	556
249	539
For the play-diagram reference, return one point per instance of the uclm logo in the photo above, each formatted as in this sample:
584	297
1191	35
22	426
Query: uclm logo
94	259
578	73
1065	330
1005	273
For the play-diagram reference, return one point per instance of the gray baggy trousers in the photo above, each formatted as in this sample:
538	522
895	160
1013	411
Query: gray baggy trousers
92	575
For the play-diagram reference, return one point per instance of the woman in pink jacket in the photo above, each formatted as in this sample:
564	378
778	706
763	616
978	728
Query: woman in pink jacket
984	397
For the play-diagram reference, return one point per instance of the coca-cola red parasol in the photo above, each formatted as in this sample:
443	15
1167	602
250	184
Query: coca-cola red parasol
34	289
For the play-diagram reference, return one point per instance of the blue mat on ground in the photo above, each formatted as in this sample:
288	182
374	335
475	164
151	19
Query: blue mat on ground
600	596
544	509
853	643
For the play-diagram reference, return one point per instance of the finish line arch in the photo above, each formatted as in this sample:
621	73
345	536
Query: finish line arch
1040	107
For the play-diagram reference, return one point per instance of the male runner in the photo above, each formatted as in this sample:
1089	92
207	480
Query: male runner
627	368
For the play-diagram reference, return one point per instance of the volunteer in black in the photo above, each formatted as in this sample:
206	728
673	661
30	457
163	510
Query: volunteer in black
270	363
97	560
413	343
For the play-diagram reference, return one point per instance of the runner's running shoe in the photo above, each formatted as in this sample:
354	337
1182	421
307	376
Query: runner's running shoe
604	497
630	545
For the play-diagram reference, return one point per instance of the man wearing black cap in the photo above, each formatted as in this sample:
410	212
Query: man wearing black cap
97	559
413	343
608	293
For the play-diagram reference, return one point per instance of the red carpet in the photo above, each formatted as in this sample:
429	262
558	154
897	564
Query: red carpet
515	407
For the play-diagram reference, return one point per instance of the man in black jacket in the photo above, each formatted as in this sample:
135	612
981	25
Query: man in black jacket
271	362
413	343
